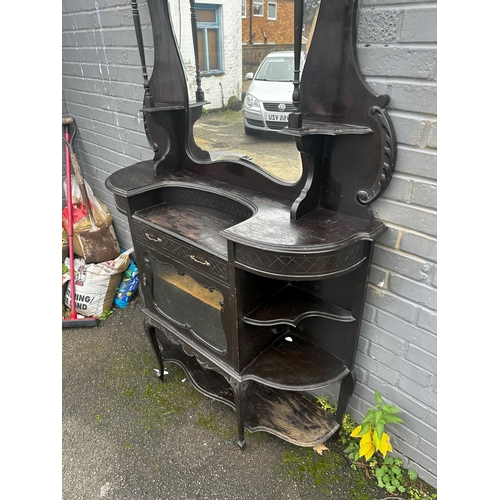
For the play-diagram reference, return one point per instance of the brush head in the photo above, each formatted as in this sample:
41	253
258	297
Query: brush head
67	120
79	322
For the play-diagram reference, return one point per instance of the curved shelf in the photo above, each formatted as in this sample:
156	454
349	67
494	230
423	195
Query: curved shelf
291	305
311	127
163	107
296	364
286	414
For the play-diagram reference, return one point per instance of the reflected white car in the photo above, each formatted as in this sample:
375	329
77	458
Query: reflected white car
268	100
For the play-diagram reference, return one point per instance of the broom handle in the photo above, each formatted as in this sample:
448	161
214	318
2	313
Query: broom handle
69	204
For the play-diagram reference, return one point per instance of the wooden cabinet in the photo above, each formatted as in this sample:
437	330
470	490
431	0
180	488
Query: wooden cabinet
254	286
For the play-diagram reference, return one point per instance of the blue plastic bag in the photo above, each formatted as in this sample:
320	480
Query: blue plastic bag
128	286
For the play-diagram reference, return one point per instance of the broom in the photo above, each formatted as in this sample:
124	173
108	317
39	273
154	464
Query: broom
99	243
72	321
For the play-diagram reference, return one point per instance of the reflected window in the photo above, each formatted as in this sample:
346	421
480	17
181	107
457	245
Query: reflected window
276	69
258	8
209	38
271	10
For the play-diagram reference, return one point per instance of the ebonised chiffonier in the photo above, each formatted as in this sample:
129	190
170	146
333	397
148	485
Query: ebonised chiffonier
253	285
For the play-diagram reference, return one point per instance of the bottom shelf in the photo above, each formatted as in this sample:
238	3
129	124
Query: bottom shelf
286	414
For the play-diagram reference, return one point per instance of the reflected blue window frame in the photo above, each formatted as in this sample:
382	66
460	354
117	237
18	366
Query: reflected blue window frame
217	25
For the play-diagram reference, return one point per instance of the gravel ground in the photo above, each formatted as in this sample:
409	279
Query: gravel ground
128	436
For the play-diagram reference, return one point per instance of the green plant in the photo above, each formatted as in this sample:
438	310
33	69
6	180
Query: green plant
204	112
372	433
234	103
388	471
348	423
106	314
390	475
419	492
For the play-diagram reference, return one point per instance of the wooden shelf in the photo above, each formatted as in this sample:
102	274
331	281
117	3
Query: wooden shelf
163	107
294	363
192	222
291	305
286	414
172	107
310	127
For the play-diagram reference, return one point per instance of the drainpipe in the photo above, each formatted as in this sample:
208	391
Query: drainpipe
250	37
222	94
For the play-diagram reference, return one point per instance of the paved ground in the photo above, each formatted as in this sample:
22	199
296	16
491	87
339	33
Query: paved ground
127	436
222	133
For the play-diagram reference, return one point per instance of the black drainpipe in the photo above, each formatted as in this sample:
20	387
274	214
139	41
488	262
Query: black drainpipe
250	37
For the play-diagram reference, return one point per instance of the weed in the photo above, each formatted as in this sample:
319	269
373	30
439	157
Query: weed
106	314
369	440
372	433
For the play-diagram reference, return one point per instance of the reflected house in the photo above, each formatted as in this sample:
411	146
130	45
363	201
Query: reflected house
232	40
267	26
219	48
267	22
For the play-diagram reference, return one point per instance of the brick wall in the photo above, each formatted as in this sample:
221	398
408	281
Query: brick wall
397	348
102	87
279	30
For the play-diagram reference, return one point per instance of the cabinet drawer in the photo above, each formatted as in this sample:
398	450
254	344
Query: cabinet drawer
190	255
300	266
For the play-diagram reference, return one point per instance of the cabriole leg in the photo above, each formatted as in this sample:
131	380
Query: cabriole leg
151	334
239	392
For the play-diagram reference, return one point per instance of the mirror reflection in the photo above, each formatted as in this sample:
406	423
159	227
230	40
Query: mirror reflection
245	63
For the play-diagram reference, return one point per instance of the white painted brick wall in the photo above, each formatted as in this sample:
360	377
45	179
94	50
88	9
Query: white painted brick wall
103	91
102	85
397	53
218	89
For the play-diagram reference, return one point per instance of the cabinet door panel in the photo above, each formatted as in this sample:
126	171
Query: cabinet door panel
190	303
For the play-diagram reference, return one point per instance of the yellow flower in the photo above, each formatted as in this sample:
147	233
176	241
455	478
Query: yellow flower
385	444
367	450
366	438
355	432
366	447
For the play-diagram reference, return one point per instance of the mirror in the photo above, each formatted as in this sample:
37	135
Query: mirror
245	56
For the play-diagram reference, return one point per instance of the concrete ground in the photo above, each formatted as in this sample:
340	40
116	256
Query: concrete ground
128	436
222	133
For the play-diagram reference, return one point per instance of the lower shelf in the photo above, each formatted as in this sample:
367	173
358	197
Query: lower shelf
286	414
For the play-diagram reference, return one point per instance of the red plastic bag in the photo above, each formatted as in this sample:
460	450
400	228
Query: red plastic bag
81	221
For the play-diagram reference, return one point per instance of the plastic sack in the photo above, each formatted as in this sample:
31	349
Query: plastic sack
81	221
65	244
128	286
96	284
65	278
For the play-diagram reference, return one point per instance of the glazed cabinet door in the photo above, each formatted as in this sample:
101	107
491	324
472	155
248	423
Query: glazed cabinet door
191	304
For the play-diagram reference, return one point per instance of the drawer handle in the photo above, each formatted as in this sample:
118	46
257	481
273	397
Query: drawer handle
198	261
152	238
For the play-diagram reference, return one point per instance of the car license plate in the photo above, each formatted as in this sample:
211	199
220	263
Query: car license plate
278	117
